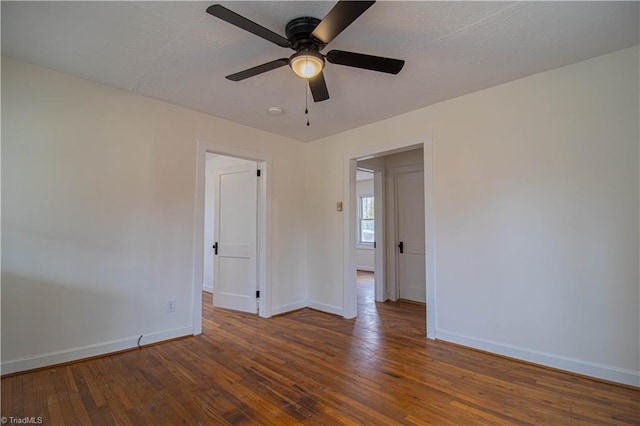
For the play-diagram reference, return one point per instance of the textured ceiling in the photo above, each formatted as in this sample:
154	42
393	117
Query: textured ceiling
176	52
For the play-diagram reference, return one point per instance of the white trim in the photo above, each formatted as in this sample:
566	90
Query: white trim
364	246
366	269
349	276
264	226
277	310
380	231
330	309
264	236
430	239
592	369
391	259
82	352
207	288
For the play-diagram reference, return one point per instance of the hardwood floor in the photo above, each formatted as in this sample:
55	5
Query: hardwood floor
313	368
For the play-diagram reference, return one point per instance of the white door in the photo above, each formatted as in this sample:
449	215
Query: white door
235	274
411	237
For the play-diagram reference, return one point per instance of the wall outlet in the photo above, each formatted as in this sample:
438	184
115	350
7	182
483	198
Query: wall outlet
171	306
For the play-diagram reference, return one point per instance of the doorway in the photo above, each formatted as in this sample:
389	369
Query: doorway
260	162
370	225
370	156
366	239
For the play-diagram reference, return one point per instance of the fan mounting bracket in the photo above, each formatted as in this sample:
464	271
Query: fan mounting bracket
299	31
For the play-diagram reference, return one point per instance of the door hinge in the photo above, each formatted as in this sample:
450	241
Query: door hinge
374	244
258	294
258	172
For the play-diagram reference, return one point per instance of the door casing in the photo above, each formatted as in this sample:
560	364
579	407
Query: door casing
350	219
264	229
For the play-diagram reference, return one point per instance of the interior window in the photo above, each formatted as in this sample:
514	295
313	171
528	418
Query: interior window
366	220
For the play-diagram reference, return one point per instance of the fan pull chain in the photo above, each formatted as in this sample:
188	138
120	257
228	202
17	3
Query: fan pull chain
306	100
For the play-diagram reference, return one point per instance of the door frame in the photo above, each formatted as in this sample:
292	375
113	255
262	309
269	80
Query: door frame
350	307
264	228
380	206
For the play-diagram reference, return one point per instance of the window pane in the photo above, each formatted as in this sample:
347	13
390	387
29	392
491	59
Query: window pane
366	207
367	234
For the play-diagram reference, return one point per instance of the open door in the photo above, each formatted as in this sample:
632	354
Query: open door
235	248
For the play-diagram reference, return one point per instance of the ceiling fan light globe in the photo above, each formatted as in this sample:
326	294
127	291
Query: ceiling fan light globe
309	70
306	65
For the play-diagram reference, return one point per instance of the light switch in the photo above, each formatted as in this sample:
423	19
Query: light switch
339	206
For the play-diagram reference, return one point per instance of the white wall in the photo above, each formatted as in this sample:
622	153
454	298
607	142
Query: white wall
536	196
536	193
98	215
365	254
365	258
213	162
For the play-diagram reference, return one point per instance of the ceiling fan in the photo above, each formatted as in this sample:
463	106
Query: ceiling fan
308	36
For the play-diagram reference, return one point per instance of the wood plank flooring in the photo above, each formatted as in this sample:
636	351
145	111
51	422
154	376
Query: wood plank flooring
308	367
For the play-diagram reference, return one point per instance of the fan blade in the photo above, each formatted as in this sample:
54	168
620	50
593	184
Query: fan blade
240	21
319	88
339	18
367	62
258	70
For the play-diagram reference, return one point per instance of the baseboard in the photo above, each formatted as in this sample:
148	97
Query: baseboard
207	288
279	310
330	309
365	268
78	353
591	369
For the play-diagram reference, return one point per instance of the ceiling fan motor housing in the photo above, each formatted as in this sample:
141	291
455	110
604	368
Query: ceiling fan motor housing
299	31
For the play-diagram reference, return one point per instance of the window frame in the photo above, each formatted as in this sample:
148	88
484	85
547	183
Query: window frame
361	219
